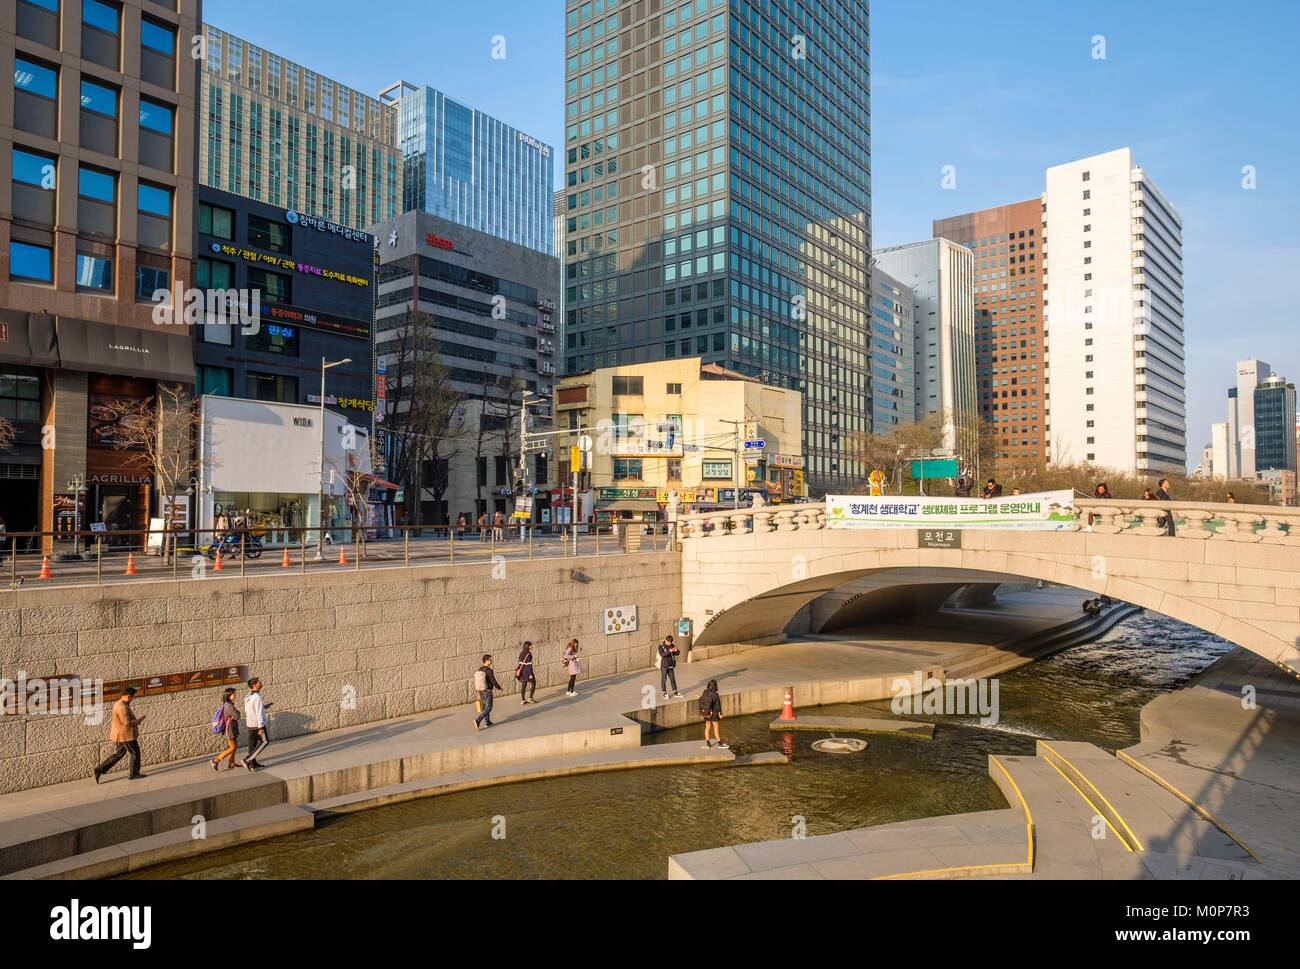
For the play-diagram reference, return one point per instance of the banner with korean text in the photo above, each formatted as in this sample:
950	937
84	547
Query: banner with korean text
1043	511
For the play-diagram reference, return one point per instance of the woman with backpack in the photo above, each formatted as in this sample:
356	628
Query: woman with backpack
572	666
711	714
226	722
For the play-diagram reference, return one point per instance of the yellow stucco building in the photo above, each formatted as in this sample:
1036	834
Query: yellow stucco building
680	425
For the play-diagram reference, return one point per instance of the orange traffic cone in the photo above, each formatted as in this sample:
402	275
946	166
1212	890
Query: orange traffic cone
787	707
130	564
45	568
217	566
343	555
284	562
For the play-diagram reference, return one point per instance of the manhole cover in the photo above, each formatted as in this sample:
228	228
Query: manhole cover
839	745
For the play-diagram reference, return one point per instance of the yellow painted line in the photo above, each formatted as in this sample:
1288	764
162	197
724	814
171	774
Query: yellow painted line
1024	806
1187	800
1096	810
1136	841
925	872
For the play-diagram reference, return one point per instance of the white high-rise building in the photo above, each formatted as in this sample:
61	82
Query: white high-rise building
940	274
1114	311
1241	417
1220	447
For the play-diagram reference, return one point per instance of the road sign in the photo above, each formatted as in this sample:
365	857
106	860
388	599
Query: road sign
585	443
939	538
930	468
755	445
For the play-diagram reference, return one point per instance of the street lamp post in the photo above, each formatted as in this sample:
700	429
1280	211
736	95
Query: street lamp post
320	507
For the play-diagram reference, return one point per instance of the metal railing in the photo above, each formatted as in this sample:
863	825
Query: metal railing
125	555
1192	520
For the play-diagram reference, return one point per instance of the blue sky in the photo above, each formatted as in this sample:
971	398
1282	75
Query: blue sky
1000	90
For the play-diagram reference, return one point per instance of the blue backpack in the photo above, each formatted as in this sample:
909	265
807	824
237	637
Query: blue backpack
219	720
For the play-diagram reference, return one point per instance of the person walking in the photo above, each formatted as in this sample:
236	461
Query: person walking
259	734
668	653
123	730
482	527
711	714
485	681
229	732
498	527
572	666
526	676
460	525
1162	494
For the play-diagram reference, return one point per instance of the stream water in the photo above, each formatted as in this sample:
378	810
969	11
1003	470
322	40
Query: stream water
625	824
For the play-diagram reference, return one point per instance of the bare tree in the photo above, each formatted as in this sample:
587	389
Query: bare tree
893	451
163	430
422	408
358	478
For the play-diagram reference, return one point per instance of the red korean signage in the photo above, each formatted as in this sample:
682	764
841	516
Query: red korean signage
438	242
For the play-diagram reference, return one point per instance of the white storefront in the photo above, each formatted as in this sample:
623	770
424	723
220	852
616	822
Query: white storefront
262	460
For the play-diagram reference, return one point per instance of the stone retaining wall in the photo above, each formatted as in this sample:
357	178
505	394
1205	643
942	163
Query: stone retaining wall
401	640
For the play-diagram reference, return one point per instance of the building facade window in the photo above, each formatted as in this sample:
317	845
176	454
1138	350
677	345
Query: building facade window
94	273
156	121
101	27
99	117
31	262
36	98
96	203
154	216
216	221
266	234
35	180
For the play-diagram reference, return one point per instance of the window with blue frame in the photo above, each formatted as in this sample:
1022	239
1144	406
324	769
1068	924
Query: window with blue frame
156	37
98	98
35	79
153	200
31	262
102	16
39	171
155	117
94	272
97	185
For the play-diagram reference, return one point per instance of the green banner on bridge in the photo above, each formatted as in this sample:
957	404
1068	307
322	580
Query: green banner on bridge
1043	511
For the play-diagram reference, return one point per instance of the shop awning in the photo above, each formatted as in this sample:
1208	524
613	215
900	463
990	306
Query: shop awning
160	352
629	504
28	338
381	483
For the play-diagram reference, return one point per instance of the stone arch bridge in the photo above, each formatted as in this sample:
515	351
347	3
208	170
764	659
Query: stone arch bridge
1231	570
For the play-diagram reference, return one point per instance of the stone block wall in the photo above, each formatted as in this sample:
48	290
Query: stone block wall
400	641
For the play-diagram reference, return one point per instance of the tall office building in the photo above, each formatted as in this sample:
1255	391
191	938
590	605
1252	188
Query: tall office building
893	337
1275	445
1113	270
97	156
467	167
1241	417
941	275
491	306
718	199
1010	359
276	132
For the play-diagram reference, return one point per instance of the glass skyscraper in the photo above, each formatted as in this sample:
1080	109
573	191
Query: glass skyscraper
472	169
718	199
276	132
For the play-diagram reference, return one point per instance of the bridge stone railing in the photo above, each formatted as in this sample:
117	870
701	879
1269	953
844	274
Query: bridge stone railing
1207	521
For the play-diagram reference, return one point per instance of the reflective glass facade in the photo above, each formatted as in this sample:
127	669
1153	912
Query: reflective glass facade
278	133
469	168
718	199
